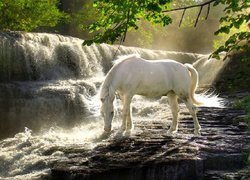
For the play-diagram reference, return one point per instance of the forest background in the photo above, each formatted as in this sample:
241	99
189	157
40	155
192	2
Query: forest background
74	18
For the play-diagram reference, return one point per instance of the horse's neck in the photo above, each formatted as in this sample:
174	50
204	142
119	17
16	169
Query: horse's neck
107	87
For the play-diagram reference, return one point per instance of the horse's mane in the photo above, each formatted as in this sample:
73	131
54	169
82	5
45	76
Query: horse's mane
107	89
122	58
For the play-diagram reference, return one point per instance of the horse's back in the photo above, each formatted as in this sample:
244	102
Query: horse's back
152	69
150	78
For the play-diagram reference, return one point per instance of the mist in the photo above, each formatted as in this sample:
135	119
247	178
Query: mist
184	38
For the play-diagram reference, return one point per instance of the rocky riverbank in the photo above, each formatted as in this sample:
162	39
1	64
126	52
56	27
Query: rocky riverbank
221	151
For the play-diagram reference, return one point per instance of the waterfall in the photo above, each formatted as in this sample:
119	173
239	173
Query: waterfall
42	56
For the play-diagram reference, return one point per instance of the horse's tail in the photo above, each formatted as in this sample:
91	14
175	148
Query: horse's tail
194	83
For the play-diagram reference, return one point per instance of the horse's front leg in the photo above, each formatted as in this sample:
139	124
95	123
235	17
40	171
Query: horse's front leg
126	117
124	120
129	119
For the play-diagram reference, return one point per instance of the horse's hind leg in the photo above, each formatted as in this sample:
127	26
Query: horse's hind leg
192	110
172	99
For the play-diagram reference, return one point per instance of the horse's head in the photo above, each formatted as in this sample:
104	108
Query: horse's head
107	111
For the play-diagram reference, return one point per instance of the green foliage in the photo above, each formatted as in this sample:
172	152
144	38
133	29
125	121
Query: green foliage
26	15
237	15
245	104
80	12
116	17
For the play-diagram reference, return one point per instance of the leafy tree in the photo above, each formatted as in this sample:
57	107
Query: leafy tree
237	17
119	16
26	15
80	13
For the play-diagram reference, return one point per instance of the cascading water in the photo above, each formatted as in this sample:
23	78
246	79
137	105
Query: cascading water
49	81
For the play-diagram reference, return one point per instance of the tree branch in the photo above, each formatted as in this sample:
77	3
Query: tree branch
122	39
182	17
197	19
208	10
193	6
189	7
126	28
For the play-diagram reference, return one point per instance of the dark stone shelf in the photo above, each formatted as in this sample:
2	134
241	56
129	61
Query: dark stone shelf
220	152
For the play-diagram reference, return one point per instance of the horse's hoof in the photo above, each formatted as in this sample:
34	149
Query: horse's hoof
170	132
197	133
104	135
128	133
130	127
119	133
121	130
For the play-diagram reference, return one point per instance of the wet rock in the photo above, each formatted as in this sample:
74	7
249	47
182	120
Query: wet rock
220	152
242	125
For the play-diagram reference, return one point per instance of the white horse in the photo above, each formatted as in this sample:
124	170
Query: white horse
133	75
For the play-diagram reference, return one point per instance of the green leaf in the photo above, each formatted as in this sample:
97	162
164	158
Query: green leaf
216	3
154	7
238	23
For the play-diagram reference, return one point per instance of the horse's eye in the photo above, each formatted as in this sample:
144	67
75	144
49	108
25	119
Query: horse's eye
112	113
